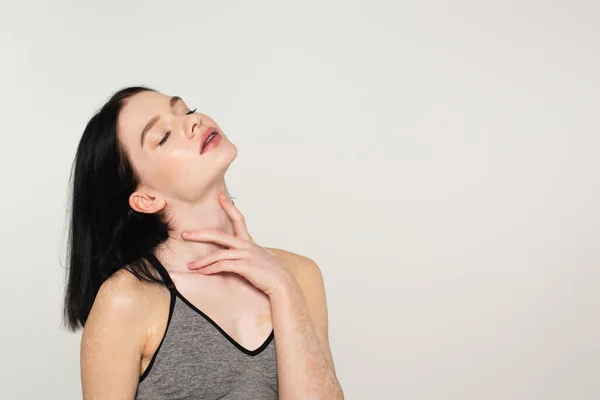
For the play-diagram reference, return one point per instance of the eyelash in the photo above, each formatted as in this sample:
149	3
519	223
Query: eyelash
164	139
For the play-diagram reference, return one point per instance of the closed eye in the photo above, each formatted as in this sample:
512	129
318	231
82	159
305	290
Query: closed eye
164	139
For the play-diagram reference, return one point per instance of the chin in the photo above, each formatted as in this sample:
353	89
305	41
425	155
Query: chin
226	151
222	156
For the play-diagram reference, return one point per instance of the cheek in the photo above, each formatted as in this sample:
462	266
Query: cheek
178	155
174	166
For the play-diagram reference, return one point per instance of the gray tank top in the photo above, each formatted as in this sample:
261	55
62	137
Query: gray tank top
196	359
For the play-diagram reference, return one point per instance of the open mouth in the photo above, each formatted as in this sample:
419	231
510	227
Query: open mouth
212	138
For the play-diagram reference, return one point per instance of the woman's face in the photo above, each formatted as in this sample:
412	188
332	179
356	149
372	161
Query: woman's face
166	153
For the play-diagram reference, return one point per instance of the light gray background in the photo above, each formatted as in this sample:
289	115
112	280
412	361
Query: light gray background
438	160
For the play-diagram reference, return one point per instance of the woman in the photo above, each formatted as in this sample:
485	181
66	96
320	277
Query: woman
176	299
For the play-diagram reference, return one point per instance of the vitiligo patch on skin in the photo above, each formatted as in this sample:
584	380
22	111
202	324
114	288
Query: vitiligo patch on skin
112	339
299	351
302	354
264	322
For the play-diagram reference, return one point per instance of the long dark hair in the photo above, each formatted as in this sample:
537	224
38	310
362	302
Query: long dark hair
105	234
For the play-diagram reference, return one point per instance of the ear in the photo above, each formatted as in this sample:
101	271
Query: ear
144	202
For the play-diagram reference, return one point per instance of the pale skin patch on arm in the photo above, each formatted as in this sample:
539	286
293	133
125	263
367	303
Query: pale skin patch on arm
113	339
307	356
309	277
313	289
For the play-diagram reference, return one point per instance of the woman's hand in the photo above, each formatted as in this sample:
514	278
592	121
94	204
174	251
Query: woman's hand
243	256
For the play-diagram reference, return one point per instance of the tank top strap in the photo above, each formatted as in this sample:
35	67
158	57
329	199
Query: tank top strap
161	270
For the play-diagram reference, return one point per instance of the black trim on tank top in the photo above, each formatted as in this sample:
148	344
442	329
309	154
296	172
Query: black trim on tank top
161	270
225	334
169	283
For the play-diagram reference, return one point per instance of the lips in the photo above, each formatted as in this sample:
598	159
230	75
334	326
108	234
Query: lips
205	136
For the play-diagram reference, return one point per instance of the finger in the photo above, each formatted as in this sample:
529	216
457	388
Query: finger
215	256
239	222
215	236
224	266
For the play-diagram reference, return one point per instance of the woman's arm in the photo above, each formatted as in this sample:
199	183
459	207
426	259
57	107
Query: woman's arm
113	340
304	362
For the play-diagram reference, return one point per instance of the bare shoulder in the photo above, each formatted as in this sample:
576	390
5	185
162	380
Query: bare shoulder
300	266
305	270
119	289
120	300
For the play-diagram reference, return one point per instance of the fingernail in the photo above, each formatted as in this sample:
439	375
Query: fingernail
184	233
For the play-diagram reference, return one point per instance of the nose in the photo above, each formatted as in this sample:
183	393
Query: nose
192	125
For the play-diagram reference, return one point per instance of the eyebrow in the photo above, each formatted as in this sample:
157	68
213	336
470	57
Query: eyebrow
154	119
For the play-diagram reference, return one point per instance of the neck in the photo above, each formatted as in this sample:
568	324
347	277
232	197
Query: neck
206	213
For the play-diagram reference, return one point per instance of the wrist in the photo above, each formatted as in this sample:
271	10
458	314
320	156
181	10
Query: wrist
285	287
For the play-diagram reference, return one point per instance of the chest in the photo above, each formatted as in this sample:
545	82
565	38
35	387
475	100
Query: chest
241	314
196	359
